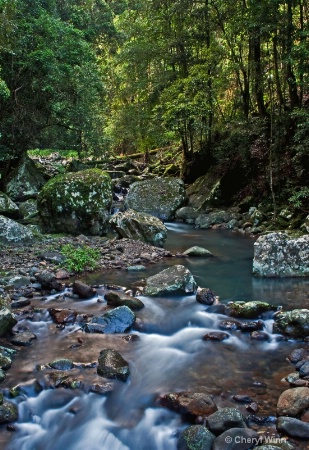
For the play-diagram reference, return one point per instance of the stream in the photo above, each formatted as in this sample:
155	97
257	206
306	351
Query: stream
168	355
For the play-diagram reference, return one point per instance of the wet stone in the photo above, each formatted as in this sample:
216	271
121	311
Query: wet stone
251	326
23	339
216	336
112	365
232	325
101	388
191	404
119	299
63	315
20	303
195	437
297	355
5	362
242	398
236	439
224	419
293	427
83	290
252	407
259	336
61	364
304	370
8	412
2	375
117	321
205	296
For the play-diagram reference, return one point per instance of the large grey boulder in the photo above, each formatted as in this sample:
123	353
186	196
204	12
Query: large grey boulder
76	203
207	220
187	214
13	232
26	180
7	206
205	192
139	226
279	255
294	324
159	197
176	280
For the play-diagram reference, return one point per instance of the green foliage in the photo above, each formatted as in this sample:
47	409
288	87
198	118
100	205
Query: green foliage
300	199
81	258
37	152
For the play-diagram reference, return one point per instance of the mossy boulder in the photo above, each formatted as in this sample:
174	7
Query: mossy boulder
195	437
249	310
7	320
7	206
139	226
26	180
159	197
176	280
8	412
13	232
279	255
294	324
76	203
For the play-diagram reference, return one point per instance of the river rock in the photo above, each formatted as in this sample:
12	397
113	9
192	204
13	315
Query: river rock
139	226
236	439
249	310
13	232
205	296
187	214
279	255
112	365
8	412
294	324
215	336
7	206
197	251
160	197
297	355
64	316
119	299
78	203
26	180
259	336
48	281
53	257
293	427
304	370
224	419
23	338
293	401
232	325
190	404
195	437
61	364
83	290
5	362
7	321
176	280
214	218
117	321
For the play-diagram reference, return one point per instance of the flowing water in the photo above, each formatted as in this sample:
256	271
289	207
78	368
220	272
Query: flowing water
169	355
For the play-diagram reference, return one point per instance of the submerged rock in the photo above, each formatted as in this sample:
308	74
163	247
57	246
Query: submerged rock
197	251
61	364
112	365
23	339
294	324
176	280
119	299
195	437
191	404
78	203
139	226
117	321
159	197
13	232
279	255
215	336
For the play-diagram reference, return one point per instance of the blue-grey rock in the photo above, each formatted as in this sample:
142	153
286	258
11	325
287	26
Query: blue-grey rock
112	365
13	232
293	427
176	280
195	437
224	419
118	320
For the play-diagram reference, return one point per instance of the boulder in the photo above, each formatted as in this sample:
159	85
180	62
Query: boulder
236	439
8	412
215	336
117	321
61	364
26	180
249	310
205	192
48	281
139	226
195	437
77	203
13	232
7	206
293	401
28	209
190	404
23	339
176	280
187	214
293	427
215	218
160	197
83	290
294	324
120	299
279	255
112	365
7	321
224	419
197	251
205	296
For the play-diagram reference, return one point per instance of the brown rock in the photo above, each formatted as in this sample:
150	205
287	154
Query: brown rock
83	290
293	401
192	404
